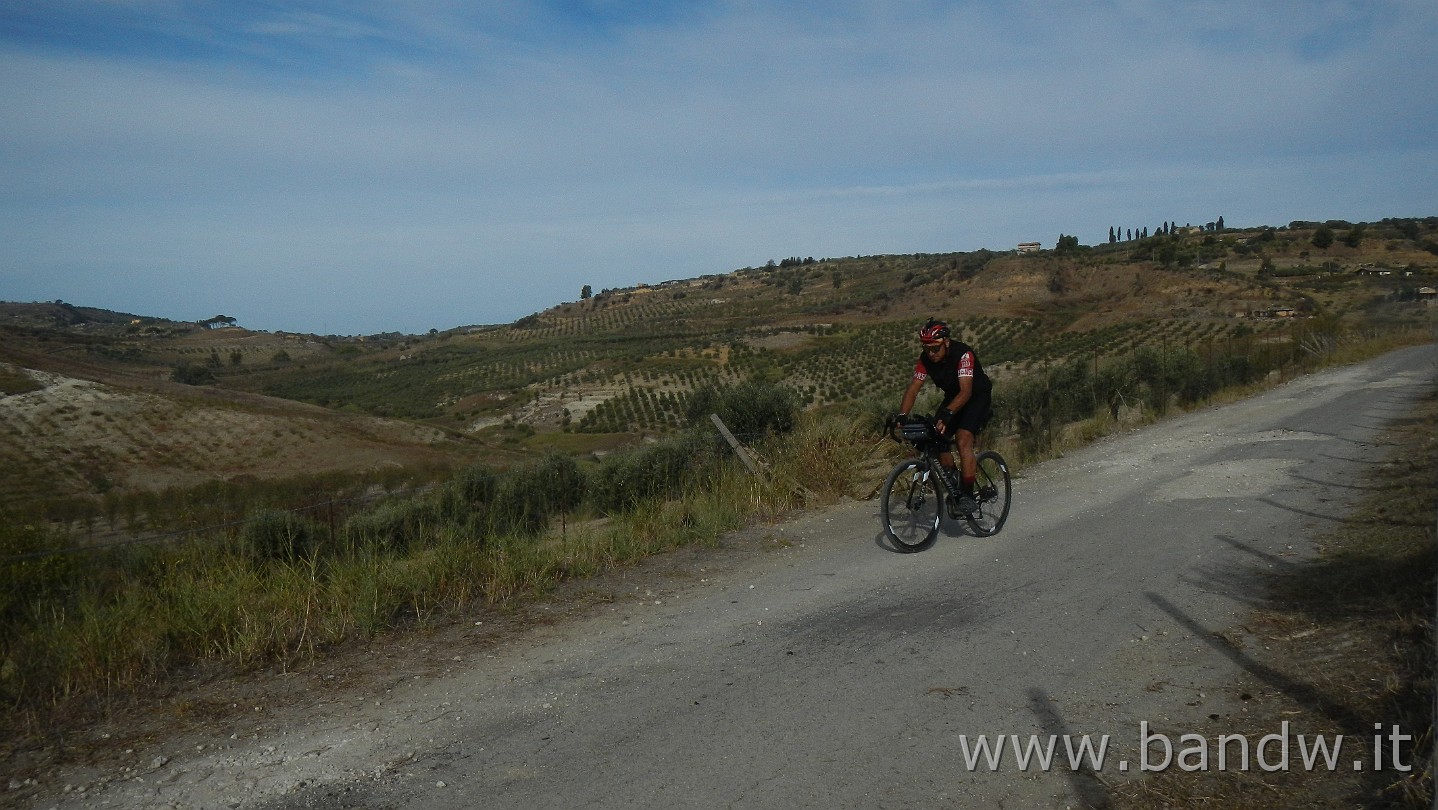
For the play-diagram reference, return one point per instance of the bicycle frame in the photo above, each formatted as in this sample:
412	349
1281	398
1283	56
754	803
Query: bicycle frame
904	501
929	445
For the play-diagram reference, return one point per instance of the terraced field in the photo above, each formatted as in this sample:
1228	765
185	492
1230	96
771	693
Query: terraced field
622	365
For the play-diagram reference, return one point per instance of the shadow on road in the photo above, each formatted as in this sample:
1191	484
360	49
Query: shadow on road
1083	781
1303	693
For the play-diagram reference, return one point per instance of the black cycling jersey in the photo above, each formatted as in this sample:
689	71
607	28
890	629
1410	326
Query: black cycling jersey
959	361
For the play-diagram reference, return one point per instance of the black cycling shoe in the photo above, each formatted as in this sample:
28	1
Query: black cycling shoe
964	504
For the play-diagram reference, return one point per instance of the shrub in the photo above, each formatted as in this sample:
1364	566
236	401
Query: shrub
525	498
750	410
274	534
1072	389
1150	370
16	382
1194	381
666	468
566	483
192	375
395	526
1027	406
1236	369
1112	387
465	496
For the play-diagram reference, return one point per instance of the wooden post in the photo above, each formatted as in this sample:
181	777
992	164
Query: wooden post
754	466
734	443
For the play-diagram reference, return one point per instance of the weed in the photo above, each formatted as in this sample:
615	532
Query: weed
278	535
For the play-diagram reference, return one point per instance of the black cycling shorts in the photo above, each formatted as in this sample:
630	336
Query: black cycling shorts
972	417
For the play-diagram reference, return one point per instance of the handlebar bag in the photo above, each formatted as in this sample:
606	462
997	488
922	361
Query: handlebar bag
918	430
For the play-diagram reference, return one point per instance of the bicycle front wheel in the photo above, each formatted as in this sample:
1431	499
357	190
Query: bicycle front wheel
994	495
912	506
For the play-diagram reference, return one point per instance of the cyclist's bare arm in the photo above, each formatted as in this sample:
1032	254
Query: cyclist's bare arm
910	395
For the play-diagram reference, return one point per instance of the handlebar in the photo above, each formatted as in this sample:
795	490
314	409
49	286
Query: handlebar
913	429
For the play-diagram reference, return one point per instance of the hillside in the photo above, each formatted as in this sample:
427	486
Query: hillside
84	420
92	404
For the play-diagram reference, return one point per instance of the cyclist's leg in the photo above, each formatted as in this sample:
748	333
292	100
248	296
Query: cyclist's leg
967	424
952	463
968	464
947	459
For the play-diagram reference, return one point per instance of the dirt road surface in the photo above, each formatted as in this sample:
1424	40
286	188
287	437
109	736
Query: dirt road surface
833	672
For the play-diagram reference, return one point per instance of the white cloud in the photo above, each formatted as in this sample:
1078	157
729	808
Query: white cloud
428	159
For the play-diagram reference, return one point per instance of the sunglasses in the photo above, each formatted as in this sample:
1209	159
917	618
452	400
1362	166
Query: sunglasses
933	348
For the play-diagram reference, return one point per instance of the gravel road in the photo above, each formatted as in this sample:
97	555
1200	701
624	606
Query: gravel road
833	672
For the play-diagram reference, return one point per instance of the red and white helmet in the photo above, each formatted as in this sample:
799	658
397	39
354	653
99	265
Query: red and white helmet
933	331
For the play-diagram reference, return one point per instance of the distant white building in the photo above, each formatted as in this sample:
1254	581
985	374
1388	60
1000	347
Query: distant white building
1029	247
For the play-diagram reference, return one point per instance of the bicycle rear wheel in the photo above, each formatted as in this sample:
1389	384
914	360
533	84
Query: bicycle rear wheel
994	495
912	506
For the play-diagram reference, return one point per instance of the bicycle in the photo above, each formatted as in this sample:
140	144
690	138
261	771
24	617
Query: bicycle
918	490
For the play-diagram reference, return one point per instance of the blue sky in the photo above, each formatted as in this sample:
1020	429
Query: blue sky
361	167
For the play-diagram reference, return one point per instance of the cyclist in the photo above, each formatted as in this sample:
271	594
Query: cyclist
954	367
